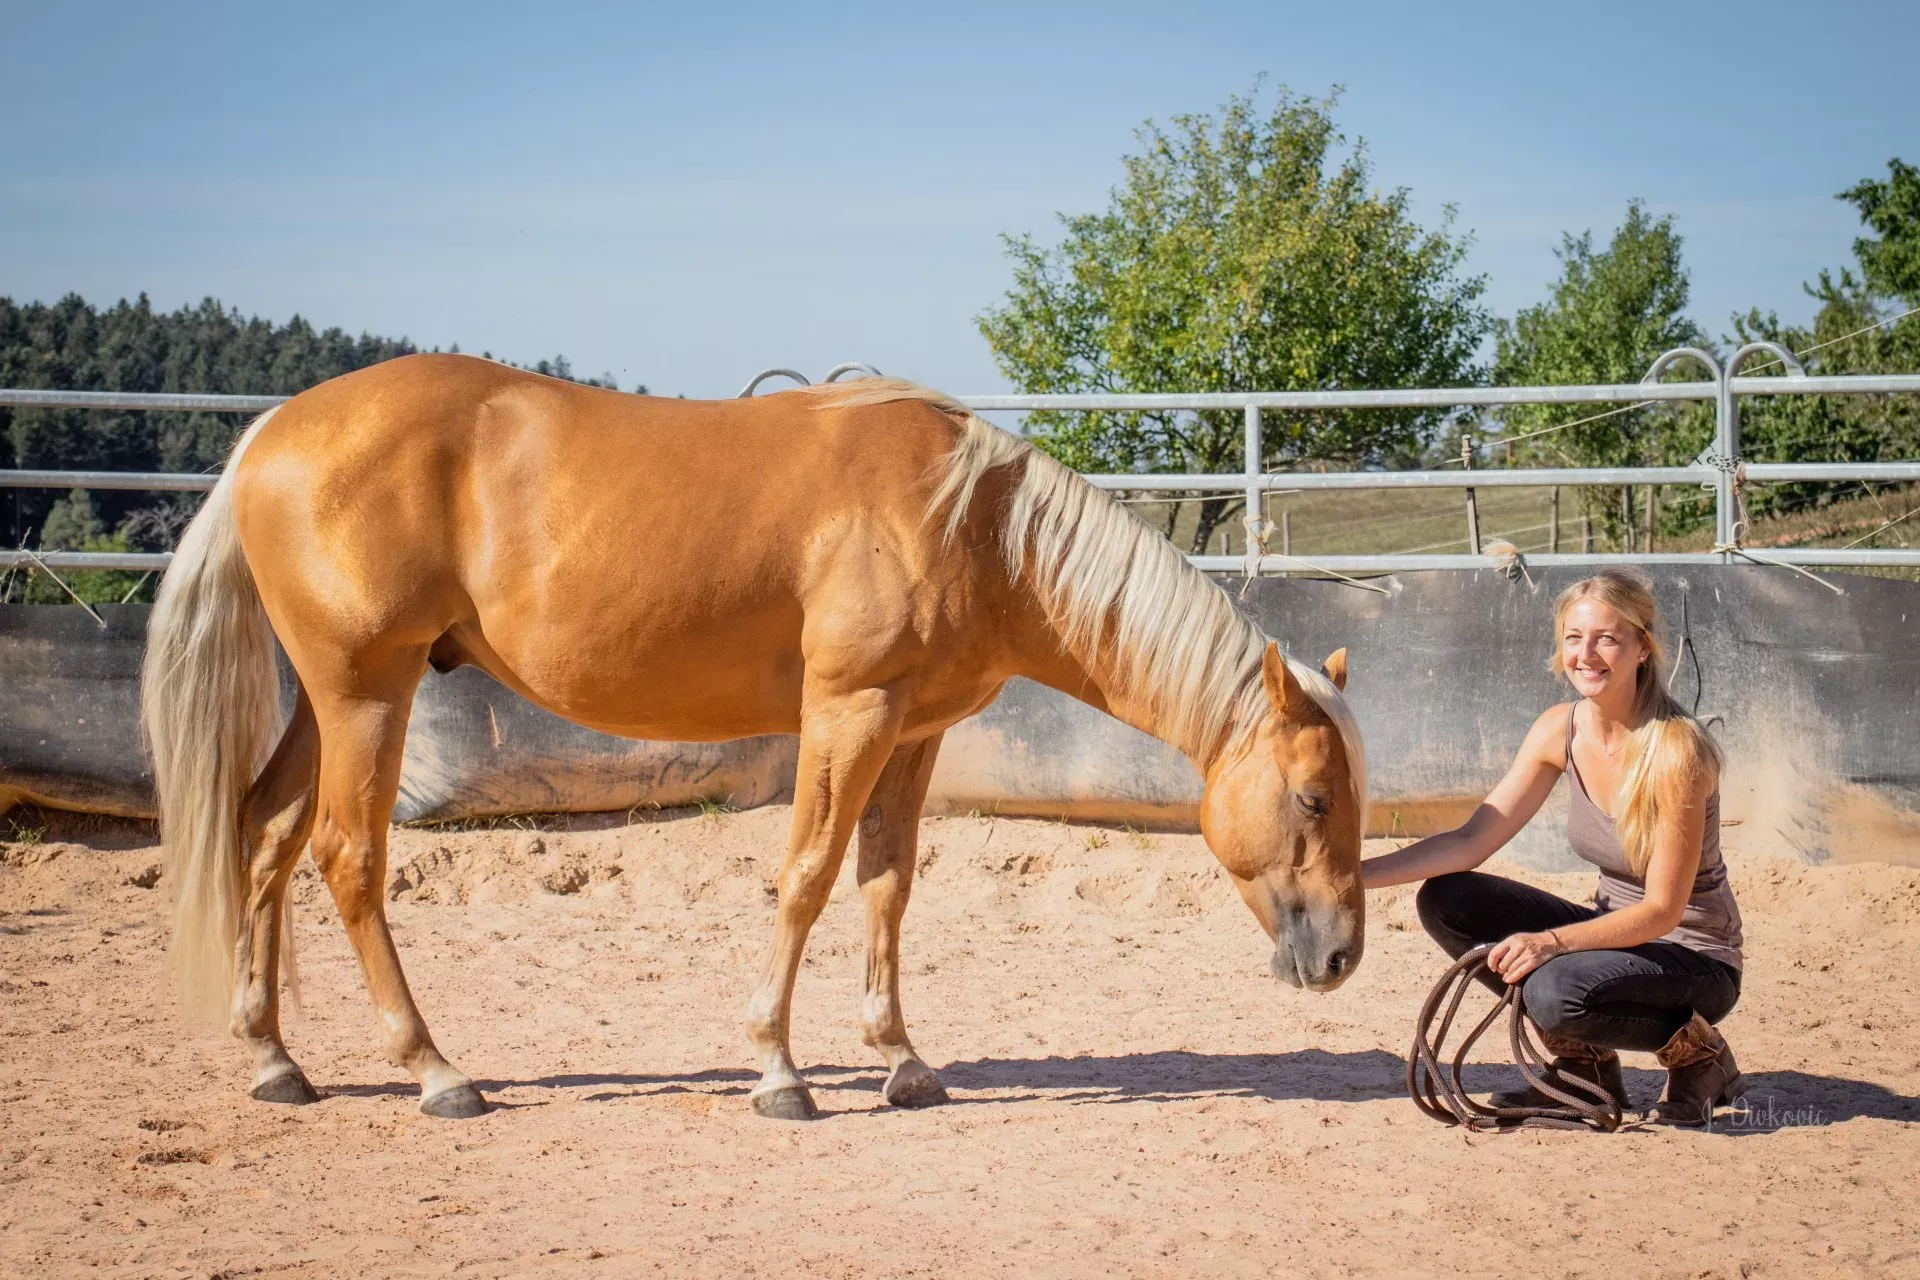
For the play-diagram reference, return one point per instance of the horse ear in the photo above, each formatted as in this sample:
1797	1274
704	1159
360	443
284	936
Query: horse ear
1335	668
1283	690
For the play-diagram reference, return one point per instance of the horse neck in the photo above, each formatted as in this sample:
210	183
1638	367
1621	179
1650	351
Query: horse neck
1094	678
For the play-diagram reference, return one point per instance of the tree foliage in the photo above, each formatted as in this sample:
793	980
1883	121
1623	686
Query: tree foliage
1613	311
73	525
1890	264
1246	253
1610	315
70	345
1857	329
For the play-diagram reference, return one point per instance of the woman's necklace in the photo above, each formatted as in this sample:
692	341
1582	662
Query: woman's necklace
1612	753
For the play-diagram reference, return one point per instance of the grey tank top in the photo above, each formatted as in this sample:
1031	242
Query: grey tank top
1711	922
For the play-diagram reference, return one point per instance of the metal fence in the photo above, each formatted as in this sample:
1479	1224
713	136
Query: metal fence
1720	468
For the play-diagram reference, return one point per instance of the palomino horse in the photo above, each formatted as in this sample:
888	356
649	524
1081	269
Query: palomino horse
862	564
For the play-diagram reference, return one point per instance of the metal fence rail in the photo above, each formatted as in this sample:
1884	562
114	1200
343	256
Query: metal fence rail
1720	468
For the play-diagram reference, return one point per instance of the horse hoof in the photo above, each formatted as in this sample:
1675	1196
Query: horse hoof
289	1087
462	1102
791	1103
914	1086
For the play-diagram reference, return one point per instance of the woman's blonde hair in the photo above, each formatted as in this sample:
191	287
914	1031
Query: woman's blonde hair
1669	751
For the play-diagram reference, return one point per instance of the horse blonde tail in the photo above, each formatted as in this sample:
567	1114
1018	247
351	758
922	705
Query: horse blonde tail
209	707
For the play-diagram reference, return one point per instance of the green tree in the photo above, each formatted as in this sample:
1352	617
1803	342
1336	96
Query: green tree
71	345
1243	254
1890	265
1858	328
1612	312
72	522
72	525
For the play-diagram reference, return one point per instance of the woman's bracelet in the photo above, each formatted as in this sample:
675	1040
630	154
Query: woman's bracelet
1555	935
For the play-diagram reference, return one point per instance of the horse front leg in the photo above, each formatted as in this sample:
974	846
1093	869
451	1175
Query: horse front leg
845	740
889	845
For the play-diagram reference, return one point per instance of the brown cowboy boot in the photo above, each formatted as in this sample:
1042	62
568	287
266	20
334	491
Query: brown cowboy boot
1589	1062
1701	1075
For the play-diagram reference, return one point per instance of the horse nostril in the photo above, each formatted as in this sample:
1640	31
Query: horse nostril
1337	964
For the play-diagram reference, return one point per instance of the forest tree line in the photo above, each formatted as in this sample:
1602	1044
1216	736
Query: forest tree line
71	345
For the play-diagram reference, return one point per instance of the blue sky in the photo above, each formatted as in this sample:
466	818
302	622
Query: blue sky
685	194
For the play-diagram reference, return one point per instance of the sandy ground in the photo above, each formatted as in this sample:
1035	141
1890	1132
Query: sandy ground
1132	1094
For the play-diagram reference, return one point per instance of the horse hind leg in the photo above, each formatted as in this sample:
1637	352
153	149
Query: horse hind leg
889	831
362	739
276	820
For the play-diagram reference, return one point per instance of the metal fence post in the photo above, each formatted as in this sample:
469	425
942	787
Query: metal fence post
1726	438
1256	514
1473	505
1726	450
1727	442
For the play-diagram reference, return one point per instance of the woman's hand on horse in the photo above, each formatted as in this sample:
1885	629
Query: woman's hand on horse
1515	957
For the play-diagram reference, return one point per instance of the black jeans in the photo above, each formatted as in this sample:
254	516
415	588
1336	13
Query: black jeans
1631	999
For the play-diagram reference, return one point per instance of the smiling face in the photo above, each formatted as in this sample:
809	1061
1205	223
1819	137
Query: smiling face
1601	651
1284	817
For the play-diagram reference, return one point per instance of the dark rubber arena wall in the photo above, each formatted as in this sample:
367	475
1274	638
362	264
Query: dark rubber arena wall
1814	695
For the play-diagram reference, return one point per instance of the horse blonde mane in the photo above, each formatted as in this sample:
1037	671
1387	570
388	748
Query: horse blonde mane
1106	577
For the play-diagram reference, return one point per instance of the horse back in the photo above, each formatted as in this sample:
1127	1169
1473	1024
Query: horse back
569	538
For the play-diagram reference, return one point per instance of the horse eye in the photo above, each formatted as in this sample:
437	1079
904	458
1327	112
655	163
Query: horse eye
1311	805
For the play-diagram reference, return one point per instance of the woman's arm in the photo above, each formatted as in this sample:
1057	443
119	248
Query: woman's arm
1515	799
1670	872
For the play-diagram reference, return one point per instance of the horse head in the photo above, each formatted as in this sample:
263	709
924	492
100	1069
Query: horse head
1285	810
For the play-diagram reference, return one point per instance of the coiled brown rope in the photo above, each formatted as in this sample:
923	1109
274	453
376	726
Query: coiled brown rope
1434	1081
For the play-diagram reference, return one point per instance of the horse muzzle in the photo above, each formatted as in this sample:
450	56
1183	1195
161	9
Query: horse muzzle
1316	952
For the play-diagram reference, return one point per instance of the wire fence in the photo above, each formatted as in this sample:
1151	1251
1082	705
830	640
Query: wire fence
1720	469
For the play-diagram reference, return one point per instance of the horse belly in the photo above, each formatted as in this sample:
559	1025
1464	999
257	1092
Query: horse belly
668	672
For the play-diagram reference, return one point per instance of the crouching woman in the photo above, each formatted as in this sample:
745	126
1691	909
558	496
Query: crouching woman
1655	961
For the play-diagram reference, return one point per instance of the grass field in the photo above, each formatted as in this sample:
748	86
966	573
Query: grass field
1356	522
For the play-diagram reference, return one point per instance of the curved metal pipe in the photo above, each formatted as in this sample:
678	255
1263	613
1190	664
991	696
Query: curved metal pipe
1794	368
1725	449
852	366
1727	520
764	374
1668	359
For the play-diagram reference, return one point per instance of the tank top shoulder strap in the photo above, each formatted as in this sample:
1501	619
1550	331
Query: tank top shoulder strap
1570	710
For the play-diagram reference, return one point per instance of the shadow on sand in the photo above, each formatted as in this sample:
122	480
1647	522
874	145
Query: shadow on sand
1775	1099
